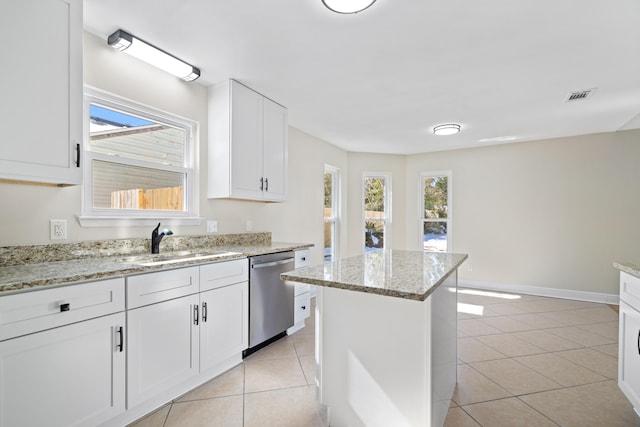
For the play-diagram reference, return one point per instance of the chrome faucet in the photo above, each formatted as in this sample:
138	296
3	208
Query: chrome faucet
156	237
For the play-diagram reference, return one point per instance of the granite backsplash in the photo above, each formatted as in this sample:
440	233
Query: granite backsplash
30	254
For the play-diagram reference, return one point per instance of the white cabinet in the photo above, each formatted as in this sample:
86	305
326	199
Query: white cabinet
224	332
71	375
247	144
629	339
224	302
41	87
185	326
302	300
629	358
162	347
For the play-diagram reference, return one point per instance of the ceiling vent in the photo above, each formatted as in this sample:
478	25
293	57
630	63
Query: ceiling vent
579	95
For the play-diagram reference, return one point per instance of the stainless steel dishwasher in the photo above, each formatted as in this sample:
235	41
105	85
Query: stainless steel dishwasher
270	298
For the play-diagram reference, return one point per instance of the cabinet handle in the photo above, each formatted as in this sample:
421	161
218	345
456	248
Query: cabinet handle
304	307
261	184
304	258
639	341
195	314
120	332
266	187
65	307
78	155
204	312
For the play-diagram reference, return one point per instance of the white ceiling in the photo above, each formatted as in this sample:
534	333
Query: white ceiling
378	81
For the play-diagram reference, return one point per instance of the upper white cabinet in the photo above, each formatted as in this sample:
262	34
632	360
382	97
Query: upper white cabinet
247	144
41	87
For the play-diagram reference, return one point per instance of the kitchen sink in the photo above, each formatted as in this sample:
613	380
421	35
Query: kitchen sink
175	257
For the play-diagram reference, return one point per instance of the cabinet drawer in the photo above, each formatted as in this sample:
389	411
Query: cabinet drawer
303	258
301	308
630	289
221	274
29	312
161	286
301	288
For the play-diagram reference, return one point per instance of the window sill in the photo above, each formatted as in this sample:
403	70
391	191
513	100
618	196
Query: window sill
111	221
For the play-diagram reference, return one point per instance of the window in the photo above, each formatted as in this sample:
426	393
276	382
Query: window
376	190
139	161
436	211
331	185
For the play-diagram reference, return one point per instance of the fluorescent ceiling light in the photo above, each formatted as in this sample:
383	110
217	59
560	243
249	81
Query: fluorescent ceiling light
132	45
348	6
446	129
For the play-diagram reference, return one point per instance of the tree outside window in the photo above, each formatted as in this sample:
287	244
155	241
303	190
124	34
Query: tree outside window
435	212
330	213
376	205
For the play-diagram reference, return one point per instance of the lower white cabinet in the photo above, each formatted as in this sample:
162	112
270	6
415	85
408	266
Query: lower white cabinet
77	356
629	354
224	332
67	376
162	350
302	292
185	340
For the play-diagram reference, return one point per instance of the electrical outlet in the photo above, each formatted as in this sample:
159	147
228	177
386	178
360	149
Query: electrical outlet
212	226
58	229
249	225
469	267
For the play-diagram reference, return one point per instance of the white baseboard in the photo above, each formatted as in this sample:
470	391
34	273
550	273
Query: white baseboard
543	292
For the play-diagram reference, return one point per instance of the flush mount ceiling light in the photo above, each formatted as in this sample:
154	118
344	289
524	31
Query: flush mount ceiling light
446	129
132	45
347	6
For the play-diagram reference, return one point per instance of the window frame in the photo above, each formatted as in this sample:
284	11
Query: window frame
97	217
387	220
422	219
334	219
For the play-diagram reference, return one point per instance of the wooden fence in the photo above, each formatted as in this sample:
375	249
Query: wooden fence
169	198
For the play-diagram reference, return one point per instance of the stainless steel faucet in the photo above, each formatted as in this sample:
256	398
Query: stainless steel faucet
156	237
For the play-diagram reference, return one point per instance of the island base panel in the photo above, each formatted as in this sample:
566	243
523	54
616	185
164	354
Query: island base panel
384	360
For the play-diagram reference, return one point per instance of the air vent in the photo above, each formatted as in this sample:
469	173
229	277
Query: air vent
579	95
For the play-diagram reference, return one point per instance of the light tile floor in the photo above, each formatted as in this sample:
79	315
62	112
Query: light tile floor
535	361
522	361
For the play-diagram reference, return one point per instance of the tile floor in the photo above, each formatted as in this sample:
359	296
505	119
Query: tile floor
522	361
535	361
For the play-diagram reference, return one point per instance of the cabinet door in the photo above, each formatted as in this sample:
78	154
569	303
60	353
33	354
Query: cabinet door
68	376
162	347
224	329
275	161
629	354
41	103
246	142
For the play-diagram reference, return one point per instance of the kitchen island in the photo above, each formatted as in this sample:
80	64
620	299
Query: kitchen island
385	337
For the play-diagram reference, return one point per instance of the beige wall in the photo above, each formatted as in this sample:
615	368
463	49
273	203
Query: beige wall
554	213
300	219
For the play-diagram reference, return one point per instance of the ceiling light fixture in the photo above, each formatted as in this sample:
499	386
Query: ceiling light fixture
446	129
347	6
132	45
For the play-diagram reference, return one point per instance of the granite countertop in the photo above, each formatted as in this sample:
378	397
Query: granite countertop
404	274
627	267
62	268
